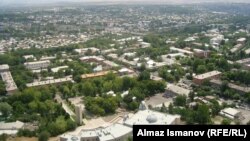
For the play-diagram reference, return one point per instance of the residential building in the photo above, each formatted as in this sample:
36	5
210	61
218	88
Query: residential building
244	61
201	53
10	128
37	65
239	89
125	71
84	50
56	69
96	59
241	41
26	57
144	45
49	82
10	84
174	49
230	113
236	48
173	89
47	58
199	79
4	68
110	64
97	74
216	41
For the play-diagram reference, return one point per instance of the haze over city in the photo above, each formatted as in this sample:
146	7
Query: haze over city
30	2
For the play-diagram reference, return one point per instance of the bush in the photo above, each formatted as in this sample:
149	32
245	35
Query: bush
44	136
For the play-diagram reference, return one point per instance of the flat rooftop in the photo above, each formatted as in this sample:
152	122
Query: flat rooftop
110	63
177	89
97	74
10	84
241	39
4	67
207	75
243	61
11	125
231	111
107	133
47	82
181	50
98	58
56	69
37	62
232	86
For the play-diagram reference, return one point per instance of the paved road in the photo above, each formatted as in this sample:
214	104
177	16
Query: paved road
64	105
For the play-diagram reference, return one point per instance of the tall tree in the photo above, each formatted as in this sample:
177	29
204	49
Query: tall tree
5	109
180	100
171	108
145	75
87	89
2	88
202	114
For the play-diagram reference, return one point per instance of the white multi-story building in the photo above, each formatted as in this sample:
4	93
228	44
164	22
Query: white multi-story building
216	41
52	81
7	79
37	65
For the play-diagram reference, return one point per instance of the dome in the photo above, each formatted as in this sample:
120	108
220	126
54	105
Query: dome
152	118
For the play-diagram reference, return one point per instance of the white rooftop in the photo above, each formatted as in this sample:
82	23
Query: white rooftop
177	89
207	75
9	81
231	111
47	82
83	50
47	58
28	56
181	50
4	67
150	117
123	70
243	61
37	62
92	57
105	133
241	40
56	69
124	93
11	125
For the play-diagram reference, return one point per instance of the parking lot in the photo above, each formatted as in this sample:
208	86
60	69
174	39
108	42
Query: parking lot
158	99
246	115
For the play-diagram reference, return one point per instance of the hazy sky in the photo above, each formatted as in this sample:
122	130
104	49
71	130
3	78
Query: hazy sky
3	2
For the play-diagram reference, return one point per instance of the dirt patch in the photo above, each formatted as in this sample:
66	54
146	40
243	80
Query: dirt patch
22	139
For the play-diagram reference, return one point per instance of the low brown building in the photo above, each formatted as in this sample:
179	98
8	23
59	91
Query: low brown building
201	53
199	79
